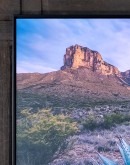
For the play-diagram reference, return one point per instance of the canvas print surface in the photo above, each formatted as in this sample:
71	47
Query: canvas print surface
73	91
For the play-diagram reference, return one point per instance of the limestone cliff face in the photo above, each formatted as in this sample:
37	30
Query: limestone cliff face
78	56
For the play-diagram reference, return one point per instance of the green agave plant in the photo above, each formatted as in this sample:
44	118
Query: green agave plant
125	152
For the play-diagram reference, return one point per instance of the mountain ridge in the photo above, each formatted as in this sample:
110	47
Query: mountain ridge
77	56
91	81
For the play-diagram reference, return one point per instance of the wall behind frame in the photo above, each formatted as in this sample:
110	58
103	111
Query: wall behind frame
8	8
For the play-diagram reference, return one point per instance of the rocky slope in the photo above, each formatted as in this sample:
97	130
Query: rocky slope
70	88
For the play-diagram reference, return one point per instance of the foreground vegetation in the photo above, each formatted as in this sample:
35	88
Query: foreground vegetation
40	135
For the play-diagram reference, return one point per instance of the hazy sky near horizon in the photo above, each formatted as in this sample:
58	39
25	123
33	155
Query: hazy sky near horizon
41	43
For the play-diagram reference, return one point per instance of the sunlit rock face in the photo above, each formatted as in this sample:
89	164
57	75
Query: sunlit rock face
78	56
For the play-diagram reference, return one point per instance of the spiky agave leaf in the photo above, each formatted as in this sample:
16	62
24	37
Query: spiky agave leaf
107	161
125	151
122	153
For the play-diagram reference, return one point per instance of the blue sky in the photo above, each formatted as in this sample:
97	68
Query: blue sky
41	43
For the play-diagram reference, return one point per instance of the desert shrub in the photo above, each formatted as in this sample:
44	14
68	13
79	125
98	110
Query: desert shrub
39	135
112	119
90	123
103	149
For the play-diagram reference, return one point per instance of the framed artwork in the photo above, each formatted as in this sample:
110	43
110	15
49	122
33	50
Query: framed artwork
72	90
58	9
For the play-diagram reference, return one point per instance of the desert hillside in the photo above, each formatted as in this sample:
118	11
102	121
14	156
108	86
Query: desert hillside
84	78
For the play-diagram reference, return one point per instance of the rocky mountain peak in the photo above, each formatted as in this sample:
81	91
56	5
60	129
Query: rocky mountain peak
78	56
126	74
